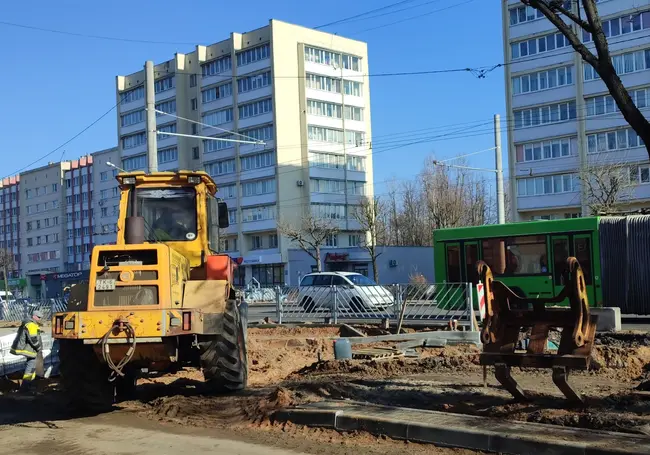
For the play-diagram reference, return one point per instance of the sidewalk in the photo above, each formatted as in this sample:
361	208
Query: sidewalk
464	431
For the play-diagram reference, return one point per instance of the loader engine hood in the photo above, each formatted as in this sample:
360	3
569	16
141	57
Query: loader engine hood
137	276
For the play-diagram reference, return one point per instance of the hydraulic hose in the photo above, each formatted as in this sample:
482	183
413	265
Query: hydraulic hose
117	369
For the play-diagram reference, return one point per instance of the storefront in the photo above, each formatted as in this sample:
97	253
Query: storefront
15	285
263	269
52	285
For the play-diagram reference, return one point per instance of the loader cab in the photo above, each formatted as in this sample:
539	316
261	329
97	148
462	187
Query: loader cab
176	208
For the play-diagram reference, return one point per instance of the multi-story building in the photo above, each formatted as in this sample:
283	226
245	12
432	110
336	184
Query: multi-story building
78	183
10	226
300	96
106	196
41	218
562	122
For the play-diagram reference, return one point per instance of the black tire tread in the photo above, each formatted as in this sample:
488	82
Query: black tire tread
223	356
84	377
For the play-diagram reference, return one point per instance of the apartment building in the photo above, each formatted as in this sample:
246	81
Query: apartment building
10	226
562	122
291	109
41	230
79	210
106	196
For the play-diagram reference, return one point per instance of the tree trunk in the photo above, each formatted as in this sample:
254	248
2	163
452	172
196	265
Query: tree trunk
319	266
375	272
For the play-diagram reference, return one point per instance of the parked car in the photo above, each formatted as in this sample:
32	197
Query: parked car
355	292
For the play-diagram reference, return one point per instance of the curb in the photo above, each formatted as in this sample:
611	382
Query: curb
464	431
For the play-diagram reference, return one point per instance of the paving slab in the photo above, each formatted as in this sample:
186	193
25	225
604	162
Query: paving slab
464	431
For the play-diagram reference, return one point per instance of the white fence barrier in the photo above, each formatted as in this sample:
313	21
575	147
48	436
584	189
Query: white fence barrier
19	310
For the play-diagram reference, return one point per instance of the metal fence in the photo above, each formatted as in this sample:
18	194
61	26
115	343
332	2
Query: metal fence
19	310
428	303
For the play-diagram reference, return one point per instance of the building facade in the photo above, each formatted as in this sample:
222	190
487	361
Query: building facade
42	223
563	126
106	196
299	102
10	227
78	183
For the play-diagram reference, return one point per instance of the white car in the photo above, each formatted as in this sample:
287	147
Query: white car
354	292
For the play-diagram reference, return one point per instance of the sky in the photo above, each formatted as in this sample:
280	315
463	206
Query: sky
53	85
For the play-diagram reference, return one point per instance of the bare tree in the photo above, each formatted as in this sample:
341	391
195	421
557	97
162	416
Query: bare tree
606	187
555	10
369	214
7	264
310	235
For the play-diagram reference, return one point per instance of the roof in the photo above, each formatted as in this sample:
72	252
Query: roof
169	177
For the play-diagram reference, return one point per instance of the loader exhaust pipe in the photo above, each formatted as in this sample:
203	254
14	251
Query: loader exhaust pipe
134	230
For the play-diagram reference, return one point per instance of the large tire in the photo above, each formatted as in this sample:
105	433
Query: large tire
84	377
223	356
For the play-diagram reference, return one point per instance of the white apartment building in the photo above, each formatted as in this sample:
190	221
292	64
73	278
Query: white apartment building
561	118
106	196
41	219
303	93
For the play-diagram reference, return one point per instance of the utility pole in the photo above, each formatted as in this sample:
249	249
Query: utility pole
152	143
4	271
501	199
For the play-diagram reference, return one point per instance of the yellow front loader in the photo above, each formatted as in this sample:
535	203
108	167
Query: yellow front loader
159	299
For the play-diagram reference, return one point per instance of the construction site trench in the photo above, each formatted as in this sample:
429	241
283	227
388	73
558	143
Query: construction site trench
291	366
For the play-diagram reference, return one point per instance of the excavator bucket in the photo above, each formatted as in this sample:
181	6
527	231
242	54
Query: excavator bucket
508	315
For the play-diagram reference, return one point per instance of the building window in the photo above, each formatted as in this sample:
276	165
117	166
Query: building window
256	242
324	109
329	58
356	188
132	95
216	66
354	239
273	241
262	133
228	191
542	80
217	117
195	153
258	161
324	83
103	194
255	82
134	163
212	145
253	55
162	85
215	93
331	240
221	167
29	225
352	88
168	106
268	275
327	186
261	213
623	25
328	211
255	108
322	134
543	115
168	128
167	155
536	151
195	128
131	118
230	244
608	141
258	187
104	211
192	80
550	184
629	62
134	140
194	104
336	161
533	46
232	216
29	241
523	14
103	176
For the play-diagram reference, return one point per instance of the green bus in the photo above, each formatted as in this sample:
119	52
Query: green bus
529	257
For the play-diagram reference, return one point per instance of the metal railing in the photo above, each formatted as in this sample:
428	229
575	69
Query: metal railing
426	303
19	310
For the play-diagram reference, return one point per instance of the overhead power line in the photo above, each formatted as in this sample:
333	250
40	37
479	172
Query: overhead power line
346	19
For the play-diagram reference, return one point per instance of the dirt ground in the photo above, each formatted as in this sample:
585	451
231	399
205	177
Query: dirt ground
291	366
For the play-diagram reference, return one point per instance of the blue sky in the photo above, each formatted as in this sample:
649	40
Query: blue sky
55	85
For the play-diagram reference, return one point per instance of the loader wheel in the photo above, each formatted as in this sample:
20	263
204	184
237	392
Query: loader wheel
84	377
223	357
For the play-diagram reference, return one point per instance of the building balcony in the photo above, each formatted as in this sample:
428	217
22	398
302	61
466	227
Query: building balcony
256	120
259	226
258	173
550	201
248	149
217	104
167	94
258	200
255	94
253	67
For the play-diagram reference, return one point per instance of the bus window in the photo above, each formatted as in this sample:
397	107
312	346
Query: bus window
471	258
526	255
583	255
560	255
494	255
453	264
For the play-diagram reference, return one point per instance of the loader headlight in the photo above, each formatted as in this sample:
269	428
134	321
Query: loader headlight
128	180
69	325
194	179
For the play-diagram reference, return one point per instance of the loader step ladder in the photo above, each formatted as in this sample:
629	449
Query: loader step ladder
507	314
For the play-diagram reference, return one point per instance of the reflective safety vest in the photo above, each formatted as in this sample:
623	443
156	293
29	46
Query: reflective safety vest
28	340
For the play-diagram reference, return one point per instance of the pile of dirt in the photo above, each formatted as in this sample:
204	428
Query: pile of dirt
623	339
9	324
624	363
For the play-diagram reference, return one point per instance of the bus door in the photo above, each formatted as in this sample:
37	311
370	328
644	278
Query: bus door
453	262
584	253
560	251
469	272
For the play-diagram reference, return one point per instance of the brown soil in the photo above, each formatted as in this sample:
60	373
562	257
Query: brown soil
9	324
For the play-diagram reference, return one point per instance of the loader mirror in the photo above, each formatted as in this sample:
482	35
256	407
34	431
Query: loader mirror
222	214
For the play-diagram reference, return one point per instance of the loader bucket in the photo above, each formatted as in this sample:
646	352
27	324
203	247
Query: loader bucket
507	315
